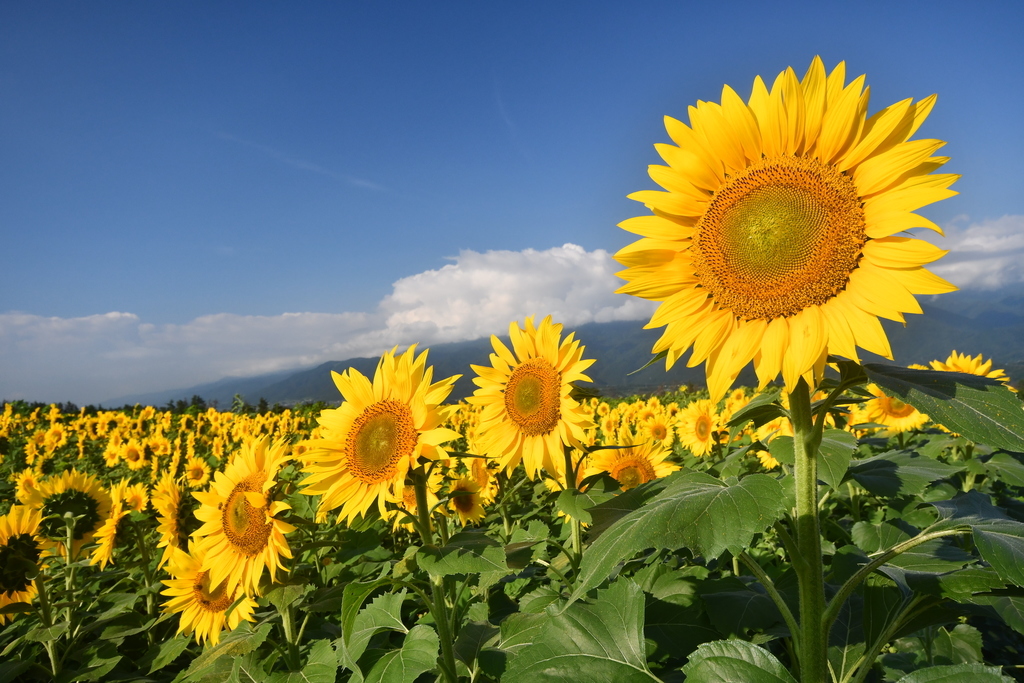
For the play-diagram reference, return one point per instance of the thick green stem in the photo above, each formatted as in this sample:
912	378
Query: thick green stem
813	641
445	630
288	624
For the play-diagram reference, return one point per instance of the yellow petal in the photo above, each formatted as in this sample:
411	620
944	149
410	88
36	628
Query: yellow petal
901	252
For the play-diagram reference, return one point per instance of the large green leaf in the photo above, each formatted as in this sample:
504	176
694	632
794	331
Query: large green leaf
898	473
383	613
417	655
837	447
761	409
321	667
603	641
1006	468
957	673
999	539
234	644
467	552
697	512
735	660
979	408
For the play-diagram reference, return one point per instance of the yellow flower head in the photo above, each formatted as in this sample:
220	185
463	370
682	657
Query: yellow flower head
528	413
892	412
20	549
465	500
380	431
240	536
203	605
775	240
697	425
639	462
73	492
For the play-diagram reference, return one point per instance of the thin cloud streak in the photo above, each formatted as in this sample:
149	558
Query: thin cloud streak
302	164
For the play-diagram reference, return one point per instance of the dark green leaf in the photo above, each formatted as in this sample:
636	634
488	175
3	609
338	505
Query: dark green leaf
1000	540
735	660
42	635
417	655
167	651
235	643
577	504
957	673
472	638
781	448
1006	468
10	670
383	613
281	596
467	552
697	512
979	408
354	596
761	409
321	667
589	642
899	473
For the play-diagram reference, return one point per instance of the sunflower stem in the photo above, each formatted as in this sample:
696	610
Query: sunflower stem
813	641
44	609
439	607
575	528
147	574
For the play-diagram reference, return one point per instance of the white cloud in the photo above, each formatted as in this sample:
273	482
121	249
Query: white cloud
97	357
985	255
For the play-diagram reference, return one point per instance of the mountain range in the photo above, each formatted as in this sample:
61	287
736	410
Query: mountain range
991	324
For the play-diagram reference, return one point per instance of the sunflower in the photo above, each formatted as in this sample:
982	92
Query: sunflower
134	454
20	548
892	412
106	535
25	484
378	433
767	461
464	499
637	463
528	413
776	238
73	492
400	520
697	425
203	605
175	518
961	362
240	536
659	428
197	472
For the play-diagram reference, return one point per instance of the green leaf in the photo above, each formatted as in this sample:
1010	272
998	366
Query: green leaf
281	596
352	601
1006	468
165	652
1000	540
782	449
981	409
472	638
697	512
41	635
957	673
761	409
748	607
899	473
321	667
589	642
958	585
837	447
577	504
383	613
417	655
11	669
235	643
677	629
735	660
467	552
1010	609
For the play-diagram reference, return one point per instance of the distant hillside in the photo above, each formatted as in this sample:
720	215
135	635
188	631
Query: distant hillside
969	323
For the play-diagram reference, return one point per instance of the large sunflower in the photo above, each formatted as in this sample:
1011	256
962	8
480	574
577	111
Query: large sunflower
203	605
240	536
528	413
378	433
776	238
20	548
73	492
176	518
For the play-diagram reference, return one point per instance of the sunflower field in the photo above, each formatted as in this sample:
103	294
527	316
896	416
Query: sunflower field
843	521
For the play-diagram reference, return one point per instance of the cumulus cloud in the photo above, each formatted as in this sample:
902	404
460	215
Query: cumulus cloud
94	358
982	256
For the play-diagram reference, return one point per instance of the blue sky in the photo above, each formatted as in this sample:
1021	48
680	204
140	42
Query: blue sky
174	177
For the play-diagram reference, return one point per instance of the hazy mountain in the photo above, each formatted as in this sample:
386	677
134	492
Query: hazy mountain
988	323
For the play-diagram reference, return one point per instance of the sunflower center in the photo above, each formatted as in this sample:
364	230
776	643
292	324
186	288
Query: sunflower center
532	398
659	432
211	601
898	408
380	437
632	473
702	428
465	501
19	556
782	235
79	503
245	525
